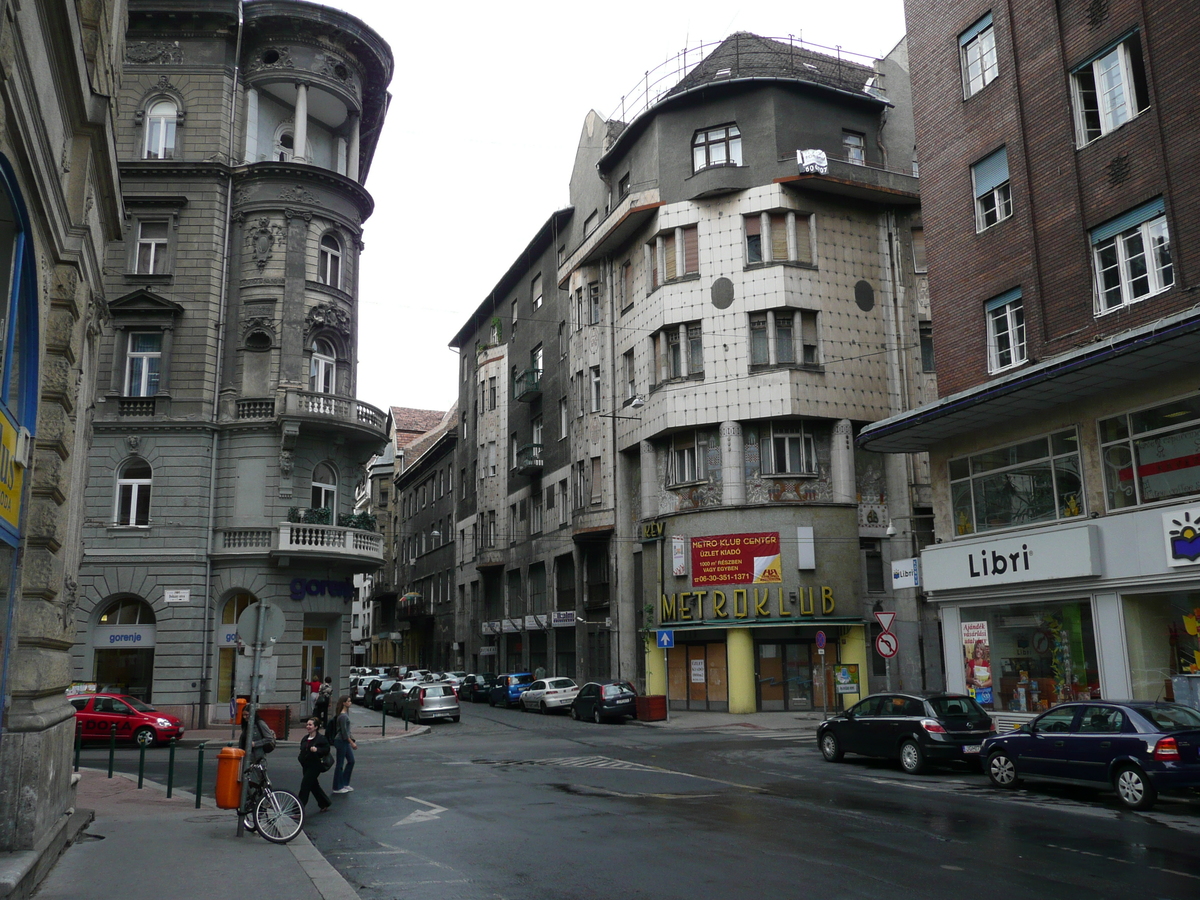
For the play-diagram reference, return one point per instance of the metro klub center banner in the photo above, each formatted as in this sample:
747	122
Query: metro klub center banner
737	559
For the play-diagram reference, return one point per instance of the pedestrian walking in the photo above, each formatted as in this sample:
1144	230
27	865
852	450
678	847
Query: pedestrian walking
321	704
262	738
313	748
345	746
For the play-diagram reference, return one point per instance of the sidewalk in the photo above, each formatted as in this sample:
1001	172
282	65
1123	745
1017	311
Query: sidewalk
142	846
738	723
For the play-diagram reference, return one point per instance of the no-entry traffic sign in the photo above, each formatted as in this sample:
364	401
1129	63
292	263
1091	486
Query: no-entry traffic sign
820	640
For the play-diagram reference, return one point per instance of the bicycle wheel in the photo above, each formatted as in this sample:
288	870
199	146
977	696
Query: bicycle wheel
279	816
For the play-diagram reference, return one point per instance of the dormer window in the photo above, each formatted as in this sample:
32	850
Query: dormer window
720	146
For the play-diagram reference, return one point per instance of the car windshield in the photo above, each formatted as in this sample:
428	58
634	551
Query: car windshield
1172	718
957	708
139	705
561	683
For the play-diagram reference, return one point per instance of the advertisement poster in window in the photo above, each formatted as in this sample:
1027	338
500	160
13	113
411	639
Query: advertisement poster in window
845	679
737	559
977	654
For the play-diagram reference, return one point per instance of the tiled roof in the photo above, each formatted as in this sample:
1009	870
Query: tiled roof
410	424
420	444
747	55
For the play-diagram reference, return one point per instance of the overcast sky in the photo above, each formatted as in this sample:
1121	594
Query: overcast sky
488	101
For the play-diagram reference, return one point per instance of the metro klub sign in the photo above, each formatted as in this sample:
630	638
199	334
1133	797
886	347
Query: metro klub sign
737	559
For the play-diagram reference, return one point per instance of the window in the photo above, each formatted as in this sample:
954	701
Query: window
595	392
630	376
285	146
760	354
688	458
854	148
322	368
133	493
535	292
669	262
143	362
562	340
579	314
993	199
926	338
513	331
720	146
1034	481
596	482
1005	331
536	359
872	553
626	283
590	223
695	349
781	337
1150	455
512	450
329	263
535	513
918	246
324	487
492	392
594	303
562	502
977	49
538	430
582	386
1132	256
1109	90
152	248
792	451
785	338
674	354
491	459
562	419
623	187
161	119
781	236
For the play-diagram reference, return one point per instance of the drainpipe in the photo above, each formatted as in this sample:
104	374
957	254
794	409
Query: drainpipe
220	361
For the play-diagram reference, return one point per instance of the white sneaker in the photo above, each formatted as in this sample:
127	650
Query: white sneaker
347	789
344	790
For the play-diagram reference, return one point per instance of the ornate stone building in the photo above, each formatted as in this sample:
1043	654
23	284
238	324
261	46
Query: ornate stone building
228	440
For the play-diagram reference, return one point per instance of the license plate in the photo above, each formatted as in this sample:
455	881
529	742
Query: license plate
970	748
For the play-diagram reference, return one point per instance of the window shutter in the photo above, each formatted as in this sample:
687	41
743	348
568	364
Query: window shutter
803	239
966	36
669	253
779	247
753	225
691	250
1128	220
991	172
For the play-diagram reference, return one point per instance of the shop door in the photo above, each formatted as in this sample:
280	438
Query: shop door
312	658
697	677
784	676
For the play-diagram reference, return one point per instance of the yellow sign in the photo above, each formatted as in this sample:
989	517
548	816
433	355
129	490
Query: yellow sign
10	475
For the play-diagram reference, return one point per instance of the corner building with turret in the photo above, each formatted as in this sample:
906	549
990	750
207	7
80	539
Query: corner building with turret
227	438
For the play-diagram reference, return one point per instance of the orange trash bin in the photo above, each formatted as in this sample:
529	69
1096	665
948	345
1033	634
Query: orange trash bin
229	777
241	705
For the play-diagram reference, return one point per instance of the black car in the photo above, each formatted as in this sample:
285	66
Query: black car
1137	748
475	688
916	729
600	700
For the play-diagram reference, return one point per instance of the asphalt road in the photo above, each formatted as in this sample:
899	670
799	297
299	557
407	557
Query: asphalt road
520	806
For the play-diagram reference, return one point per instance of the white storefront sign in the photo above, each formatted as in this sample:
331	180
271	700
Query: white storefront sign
906	573
697	671
1043	556
177	595
1181	531
137	637
560	619
532	623
679	560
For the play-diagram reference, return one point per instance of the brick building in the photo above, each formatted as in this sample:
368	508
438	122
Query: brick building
1057	146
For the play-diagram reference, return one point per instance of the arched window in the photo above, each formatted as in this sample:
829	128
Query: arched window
129	611
133	493
329	262
322	373
285	146
160	129
324	487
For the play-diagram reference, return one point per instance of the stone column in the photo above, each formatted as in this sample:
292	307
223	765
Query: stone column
300	135
352	153
733	468
841	462
250	153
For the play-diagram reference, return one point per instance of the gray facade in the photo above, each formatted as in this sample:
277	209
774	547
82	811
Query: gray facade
228	442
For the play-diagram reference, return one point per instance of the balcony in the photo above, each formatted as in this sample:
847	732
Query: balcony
528	386
529	460
325	413
313	543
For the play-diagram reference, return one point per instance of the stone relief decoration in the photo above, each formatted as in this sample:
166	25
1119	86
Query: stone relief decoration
65	283
70	600
286	459
272	58
333	67
240	196
133	441
261	237
304	214
65	164
297	194
149	53
262	282
326	315
871	492
258	325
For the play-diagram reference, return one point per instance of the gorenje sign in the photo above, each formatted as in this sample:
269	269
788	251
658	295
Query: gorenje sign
1040	556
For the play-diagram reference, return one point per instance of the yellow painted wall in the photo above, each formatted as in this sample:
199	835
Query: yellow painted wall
739	650
854	650
656	667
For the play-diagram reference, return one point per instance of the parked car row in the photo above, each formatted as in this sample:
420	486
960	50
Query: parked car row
597	700
1137	748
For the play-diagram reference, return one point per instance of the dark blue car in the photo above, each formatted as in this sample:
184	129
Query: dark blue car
508	689
1136	748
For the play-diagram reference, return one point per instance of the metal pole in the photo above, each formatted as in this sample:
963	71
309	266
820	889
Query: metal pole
171	769
666	685
141	764
112	748
200	773
383	726
824	688
78	743
251	710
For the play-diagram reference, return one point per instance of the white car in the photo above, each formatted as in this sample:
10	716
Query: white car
549	694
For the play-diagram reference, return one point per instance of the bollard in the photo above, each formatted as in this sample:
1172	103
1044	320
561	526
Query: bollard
171	769
383	727
141	764
78	743
112	749
200	773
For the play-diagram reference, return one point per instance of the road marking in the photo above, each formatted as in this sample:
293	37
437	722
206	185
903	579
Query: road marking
605	762
421	815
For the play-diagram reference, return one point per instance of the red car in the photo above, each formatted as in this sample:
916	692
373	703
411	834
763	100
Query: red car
135	720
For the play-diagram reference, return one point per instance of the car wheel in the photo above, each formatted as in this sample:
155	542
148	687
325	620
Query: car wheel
544	709
1134	789
912	760
831	747
596	714
1001	771
574	713
454	718
144	737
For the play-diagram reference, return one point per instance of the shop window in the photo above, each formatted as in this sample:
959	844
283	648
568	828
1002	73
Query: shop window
1150	455
233	608
127	612
133	493
1029	657
1162	640
1034	481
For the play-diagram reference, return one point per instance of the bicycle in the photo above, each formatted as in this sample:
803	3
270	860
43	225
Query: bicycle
276	815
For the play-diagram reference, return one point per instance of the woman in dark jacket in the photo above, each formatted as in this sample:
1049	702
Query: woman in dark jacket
313	748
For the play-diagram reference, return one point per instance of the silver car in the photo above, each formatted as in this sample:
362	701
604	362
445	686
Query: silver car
429	701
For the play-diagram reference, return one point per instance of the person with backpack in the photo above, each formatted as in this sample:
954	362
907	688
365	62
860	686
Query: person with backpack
321	704
345	746
314	751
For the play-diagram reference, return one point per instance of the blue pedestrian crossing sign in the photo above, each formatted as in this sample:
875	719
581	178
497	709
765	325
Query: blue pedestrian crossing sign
666	639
